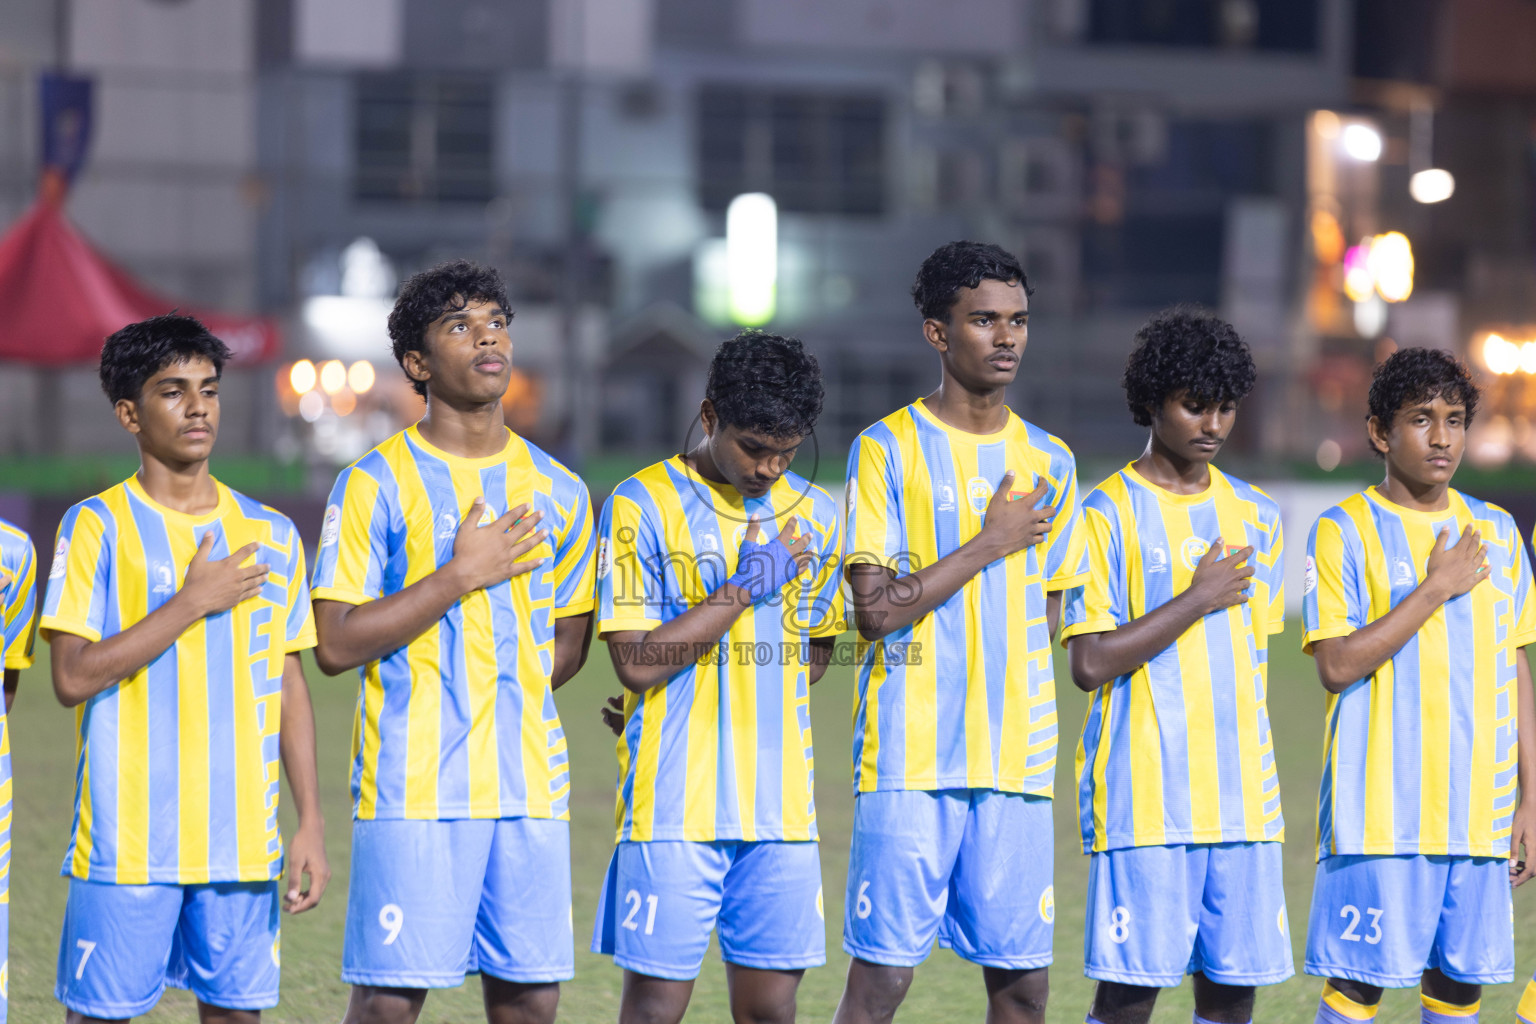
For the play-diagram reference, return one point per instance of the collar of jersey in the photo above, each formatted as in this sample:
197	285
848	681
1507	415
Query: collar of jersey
459	460
219	509
921	405
1372	493
724	492
1174	497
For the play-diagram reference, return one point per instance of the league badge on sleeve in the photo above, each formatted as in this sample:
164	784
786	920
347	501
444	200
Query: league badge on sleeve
330	529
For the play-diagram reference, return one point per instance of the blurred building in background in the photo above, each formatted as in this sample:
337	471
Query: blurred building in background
1262	157
169	191
1133	154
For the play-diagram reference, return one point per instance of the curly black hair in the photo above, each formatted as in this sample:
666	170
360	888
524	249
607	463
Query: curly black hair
1185	348
444	288
957	265
133	354
1413	375
765	383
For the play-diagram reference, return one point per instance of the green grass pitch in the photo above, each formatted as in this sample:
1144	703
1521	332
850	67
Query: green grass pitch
946	988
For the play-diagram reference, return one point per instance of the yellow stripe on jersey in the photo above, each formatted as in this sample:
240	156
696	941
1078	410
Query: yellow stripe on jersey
178	764
1179	750
964	697
722	750
461	721
1420	758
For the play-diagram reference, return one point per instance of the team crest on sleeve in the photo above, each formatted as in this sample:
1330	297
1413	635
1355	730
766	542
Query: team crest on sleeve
979	492
60	556
1193	550
1309	577
604	563
330	529
1048	904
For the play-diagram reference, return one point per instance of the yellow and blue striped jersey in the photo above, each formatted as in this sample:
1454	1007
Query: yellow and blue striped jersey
965	696
460	722
1179	750
177	777
1420	758
18	616
722	750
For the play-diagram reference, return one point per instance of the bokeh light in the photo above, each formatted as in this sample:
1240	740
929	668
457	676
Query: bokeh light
302	376
360	377
333	376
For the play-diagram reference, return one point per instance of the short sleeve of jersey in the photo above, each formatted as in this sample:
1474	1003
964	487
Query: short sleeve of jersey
629	570
299	633
1331	603
354	540
1064	561
1525	599
81	576
1097	604
827	589
18	602
575	559
1271	563
874	531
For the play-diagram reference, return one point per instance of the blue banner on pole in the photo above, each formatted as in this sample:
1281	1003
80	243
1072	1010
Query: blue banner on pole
66	103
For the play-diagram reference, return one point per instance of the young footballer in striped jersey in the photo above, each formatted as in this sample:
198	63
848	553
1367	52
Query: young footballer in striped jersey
963	529
1418	602
1178	798
455	573
176	610
18	621
718	590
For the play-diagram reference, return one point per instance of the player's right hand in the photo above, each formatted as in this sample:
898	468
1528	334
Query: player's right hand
487	555
211	587
762	570
1012	518
1458	569
1221	582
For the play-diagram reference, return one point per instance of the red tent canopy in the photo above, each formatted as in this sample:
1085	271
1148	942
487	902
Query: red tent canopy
60	298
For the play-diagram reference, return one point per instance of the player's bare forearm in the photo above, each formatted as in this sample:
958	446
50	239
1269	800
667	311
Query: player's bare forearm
820	657
573	639
643	659
1343	661
884	603
296	743
82	668
12	680
1100	658
1522	841
350	635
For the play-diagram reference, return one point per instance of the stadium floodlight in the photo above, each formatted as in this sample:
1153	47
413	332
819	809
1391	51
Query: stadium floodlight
301	375
360	377
1432	186
752	257
1361	142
